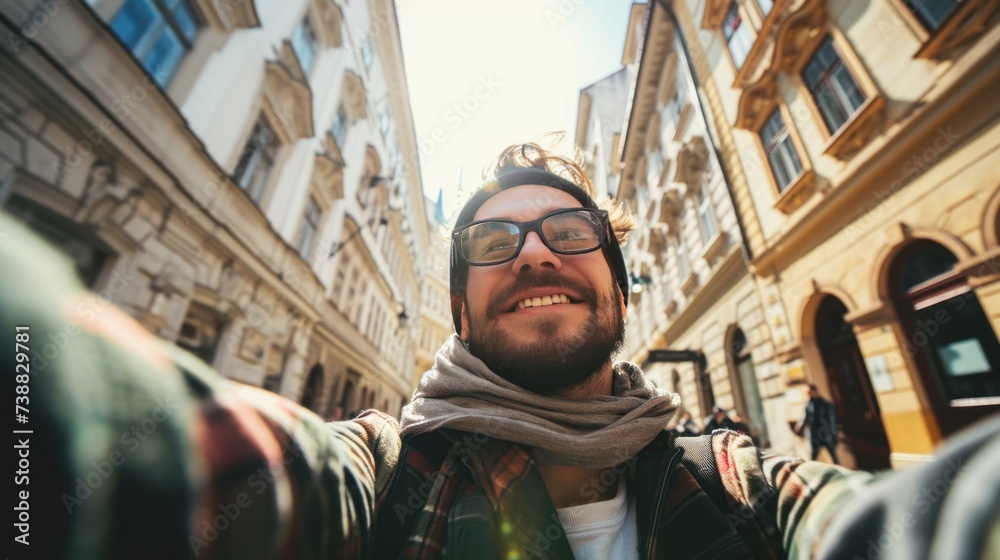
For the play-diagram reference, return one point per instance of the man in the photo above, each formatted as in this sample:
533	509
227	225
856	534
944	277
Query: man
686	426
719	421
821	417
525	440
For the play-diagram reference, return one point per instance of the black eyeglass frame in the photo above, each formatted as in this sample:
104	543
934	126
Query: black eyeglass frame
524	228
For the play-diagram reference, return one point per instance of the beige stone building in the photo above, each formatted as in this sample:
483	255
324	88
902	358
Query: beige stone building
240	176
691	290
862	144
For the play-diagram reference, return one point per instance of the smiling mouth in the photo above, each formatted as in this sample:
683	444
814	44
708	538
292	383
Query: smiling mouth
554	299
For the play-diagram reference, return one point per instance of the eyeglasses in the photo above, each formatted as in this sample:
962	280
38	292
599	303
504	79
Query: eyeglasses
569	231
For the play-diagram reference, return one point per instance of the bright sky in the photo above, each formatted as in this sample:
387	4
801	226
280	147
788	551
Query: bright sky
483	75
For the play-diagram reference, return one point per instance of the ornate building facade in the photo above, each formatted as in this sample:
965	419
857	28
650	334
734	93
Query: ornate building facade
239	176
691	288
856	148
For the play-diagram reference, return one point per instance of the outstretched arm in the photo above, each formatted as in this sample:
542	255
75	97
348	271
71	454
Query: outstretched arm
946	508
136	449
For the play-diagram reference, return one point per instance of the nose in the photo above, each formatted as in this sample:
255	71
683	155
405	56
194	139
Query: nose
535	254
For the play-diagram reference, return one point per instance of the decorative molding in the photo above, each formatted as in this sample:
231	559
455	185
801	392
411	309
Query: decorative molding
715	13
354	96
796	194
658	244
653	133
328	174
881	313
671	208
788	352
327	18
668	79
682	121
982	269
854	134
970	19
692	163
757	102
689	283
799	35
229	16
287	98
715	247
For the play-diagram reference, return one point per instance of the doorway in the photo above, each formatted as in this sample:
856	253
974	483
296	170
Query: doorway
850	387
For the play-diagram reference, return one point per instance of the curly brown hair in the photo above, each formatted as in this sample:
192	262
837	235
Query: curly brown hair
531	154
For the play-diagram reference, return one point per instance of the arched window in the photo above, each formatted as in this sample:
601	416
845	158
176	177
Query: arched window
745	390
948	336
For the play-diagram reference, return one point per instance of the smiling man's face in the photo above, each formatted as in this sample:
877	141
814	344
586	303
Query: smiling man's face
544	321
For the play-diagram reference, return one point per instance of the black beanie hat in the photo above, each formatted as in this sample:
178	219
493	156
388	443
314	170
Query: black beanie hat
514	177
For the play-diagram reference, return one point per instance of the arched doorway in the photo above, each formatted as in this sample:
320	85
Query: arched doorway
311	392
744	382
948	336
850	386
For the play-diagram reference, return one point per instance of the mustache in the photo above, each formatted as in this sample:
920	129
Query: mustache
529	280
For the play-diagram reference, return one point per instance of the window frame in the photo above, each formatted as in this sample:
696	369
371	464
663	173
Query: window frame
705	210
368	53
242	163
312	219
340	117
783	135
311	41
800	187
152	33
744	25
827	78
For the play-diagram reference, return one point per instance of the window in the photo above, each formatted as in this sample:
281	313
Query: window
737	35
948	335
340	278
355	303
683	265
200	332
304	44
706	217
765	6
780	151
932	13
158	32
257	160
833	89
339	127
310	225
384	121
367	54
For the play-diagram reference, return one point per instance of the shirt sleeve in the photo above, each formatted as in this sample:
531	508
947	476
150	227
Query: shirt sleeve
136	449
946	508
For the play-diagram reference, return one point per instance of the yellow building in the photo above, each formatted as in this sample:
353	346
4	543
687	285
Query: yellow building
862	143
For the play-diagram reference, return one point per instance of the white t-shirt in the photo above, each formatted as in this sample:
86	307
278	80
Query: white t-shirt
603	530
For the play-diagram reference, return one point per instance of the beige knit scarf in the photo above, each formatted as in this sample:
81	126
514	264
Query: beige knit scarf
460	392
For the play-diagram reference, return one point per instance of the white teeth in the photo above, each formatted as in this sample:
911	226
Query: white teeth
543	301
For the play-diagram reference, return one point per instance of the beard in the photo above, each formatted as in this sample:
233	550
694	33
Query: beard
549	364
